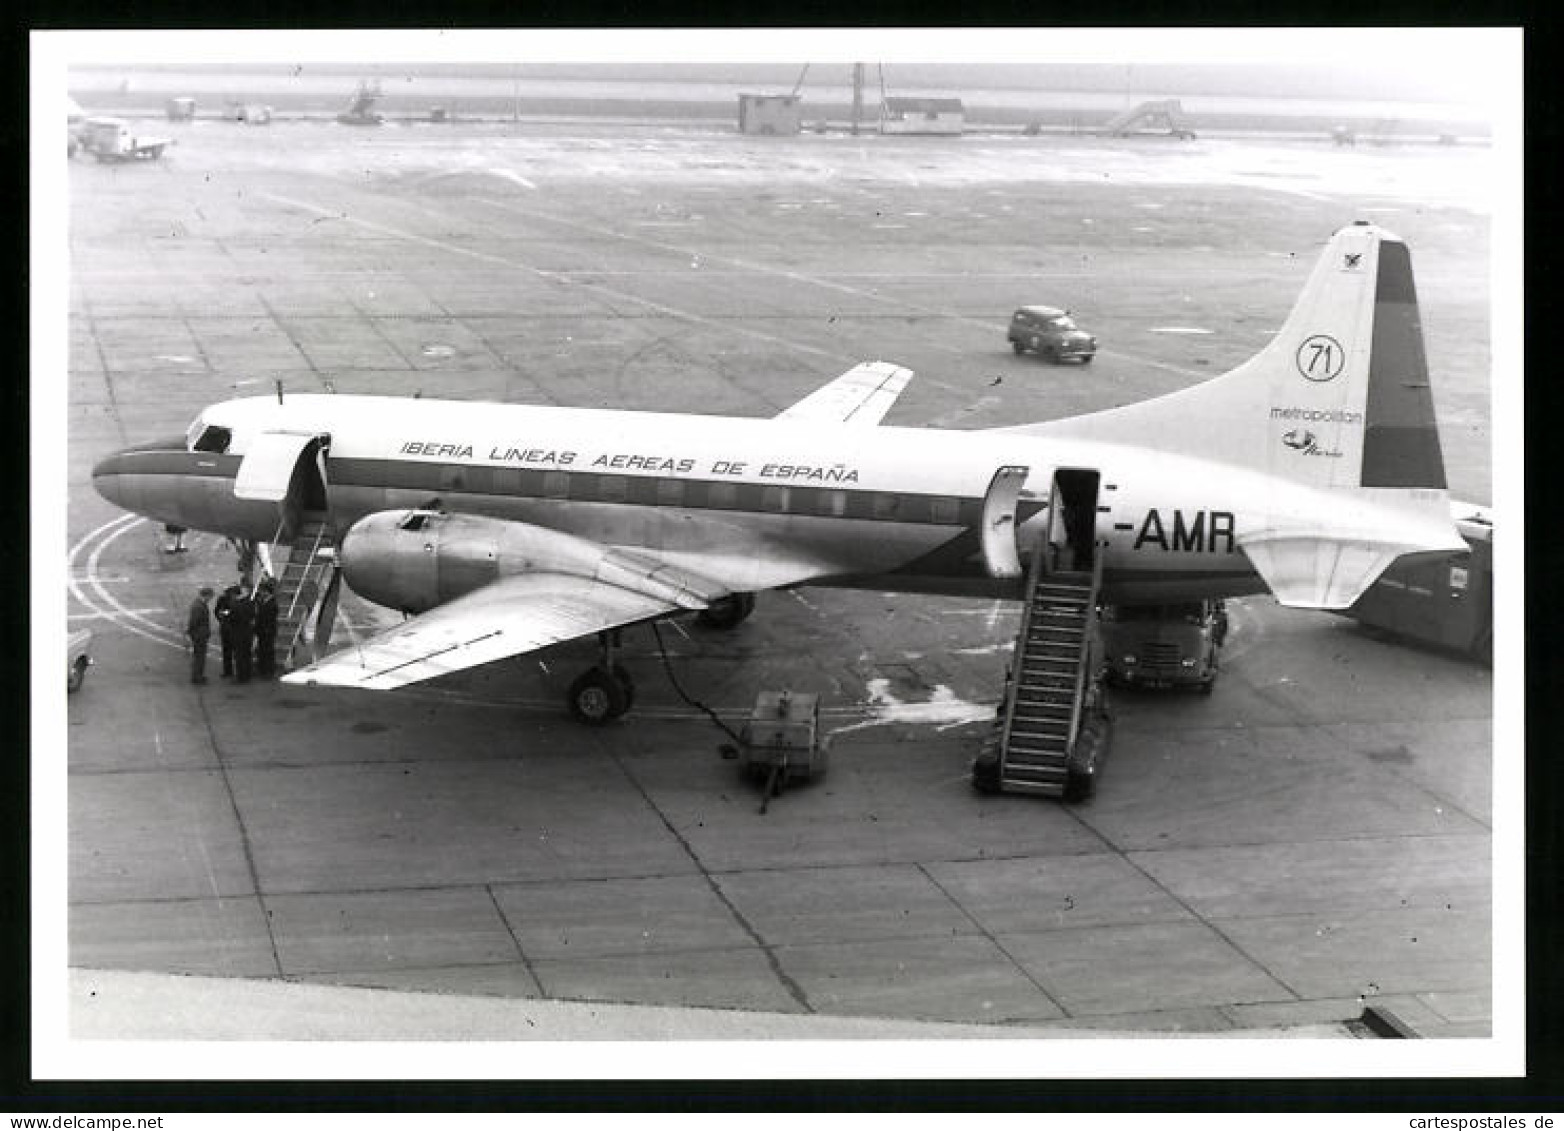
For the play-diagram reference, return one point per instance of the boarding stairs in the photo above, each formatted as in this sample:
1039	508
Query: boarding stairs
307	591
1167	114
1040	744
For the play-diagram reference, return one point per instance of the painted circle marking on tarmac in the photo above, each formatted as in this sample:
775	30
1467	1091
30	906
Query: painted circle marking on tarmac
102	601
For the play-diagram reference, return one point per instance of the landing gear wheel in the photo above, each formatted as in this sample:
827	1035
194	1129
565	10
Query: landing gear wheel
598	697
1017	346
728	612
1086	359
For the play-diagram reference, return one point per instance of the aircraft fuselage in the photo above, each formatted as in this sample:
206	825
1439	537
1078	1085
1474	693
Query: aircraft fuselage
890	508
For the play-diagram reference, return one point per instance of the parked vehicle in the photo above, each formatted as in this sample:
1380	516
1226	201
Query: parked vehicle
1164	645
78	658
1050	332
110	139
1446	602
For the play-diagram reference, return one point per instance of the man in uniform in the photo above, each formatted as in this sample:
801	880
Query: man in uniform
266	628
241	624
198	627
225	632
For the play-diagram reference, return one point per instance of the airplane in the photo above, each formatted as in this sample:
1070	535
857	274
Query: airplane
500	529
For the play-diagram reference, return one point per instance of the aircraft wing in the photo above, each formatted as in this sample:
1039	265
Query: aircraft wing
507	617
861	396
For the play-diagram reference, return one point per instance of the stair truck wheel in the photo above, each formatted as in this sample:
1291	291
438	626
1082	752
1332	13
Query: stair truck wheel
596	697
1091	749
985	768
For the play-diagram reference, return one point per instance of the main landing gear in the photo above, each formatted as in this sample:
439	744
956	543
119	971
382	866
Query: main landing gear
605	691
727	612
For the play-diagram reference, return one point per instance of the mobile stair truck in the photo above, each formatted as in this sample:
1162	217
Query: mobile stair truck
1052	731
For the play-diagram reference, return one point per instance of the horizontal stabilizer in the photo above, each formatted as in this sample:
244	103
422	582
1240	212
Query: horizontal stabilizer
1328	564
861	396
1318	572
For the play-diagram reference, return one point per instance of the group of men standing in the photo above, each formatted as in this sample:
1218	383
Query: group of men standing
246	626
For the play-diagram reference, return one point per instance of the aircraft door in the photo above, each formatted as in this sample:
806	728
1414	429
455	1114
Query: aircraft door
1072	519
1000	553
289	469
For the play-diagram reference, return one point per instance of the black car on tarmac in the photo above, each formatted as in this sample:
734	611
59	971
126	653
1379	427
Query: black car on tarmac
1050	332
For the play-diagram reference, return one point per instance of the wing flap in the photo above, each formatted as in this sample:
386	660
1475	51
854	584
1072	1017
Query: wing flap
508	617
861	396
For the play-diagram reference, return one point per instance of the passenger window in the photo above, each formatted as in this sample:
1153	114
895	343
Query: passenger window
214	439
886	505
723	494
556	484
833	503
774	499
611	488
670	492
944	510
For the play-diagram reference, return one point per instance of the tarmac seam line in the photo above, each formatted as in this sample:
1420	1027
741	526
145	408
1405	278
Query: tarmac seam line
1212	927
727	326
794	990
244	835
984	932
521	952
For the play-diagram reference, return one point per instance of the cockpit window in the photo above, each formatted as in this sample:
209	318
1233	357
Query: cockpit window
213	438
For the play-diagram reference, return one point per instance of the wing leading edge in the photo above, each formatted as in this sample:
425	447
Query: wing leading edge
507	617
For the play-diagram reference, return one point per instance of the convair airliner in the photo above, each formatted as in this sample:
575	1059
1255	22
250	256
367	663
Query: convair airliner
500	529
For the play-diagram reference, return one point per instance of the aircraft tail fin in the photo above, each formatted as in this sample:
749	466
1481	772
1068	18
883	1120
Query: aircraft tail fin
1338	401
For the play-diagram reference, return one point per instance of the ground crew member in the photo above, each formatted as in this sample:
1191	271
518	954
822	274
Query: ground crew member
177	534
224	610
266	628
198	627
241	623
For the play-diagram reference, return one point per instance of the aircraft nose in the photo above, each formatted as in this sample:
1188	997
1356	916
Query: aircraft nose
115	476
109	479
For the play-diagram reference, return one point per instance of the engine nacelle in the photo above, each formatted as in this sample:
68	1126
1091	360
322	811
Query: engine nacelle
414	560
